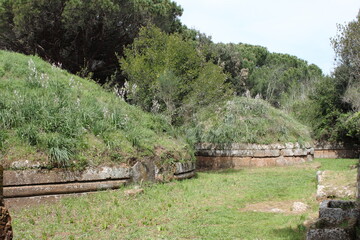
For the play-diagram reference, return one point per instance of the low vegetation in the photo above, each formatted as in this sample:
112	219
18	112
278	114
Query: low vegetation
245	120
49	115
229	204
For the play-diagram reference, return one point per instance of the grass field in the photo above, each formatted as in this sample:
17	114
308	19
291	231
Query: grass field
216	205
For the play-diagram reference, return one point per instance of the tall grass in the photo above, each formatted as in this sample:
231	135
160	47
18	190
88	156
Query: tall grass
65	116
245	120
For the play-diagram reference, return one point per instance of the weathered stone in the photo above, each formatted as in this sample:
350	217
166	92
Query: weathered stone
184	167
240	162
48	189
289	145
5	225
5	219
263	162
27	177
336	153
26	164
266	153
311	151
299	207
328	234
186	175
337	211
300	152
287	152
277	146
242	153
143	171
337	220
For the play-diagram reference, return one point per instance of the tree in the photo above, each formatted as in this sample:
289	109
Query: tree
84	36
347	48
166	73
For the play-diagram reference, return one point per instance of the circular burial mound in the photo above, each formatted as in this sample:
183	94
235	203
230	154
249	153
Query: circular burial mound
51	118
248	132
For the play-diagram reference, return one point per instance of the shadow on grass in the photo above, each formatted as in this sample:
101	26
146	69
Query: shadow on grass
298	233
220	171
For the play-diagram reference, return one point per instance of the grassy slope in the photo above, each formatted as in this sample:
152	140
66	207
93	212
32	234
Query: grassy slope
50	115
246	120
208	207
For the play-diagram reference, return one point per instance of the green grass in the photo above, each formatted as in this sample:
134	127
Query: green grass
210	206
338	164
215	205
245	120
49	115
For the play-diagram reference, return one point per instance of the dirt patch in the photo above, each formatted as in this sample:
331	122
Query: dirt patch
285	207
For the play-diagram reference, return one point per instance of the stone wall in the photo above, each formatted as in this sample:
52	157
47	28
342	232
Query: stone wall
327	150
46	184
213	156
5	219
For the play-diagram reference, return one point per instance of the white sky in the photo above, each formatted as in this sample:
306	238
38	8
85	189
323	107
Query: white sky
298	27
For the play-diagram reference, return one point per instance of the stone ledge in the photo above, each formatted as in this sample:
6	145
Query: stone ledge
236	155
56	189
40	182
204	162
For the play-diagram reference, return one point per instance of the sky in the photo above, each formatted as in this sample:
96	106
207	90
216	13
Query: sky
301	28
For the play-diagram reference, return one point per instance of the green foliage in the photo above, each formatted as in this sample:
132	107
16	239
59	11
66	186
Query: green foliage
332	107
167	74
245	120
83	36
254	71
70	119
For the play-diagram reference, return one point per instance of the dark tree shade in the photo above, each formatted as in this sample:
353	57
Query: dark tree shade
84	36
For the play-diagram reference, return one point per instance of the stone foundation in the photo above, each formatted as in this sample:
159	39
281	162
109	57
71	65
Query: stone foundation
5	219
212	156
327	150
338	220
40	184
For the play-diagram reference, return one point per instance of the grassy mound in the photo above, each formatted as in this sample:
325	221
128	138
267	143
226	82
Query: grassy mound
245	120
51	116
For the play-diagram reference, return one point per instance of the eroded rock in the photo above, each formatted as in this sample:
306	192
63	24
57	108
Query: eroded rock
5	219
5	224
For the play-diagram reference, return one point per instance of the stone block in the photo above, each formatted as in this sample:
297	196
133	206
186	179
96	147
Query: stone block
287	152
242	153
143	171
266	153
300	152
328	234
49	189
28	177
277	146
184	167
240	162
185	175
311	151
263	162
337	211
